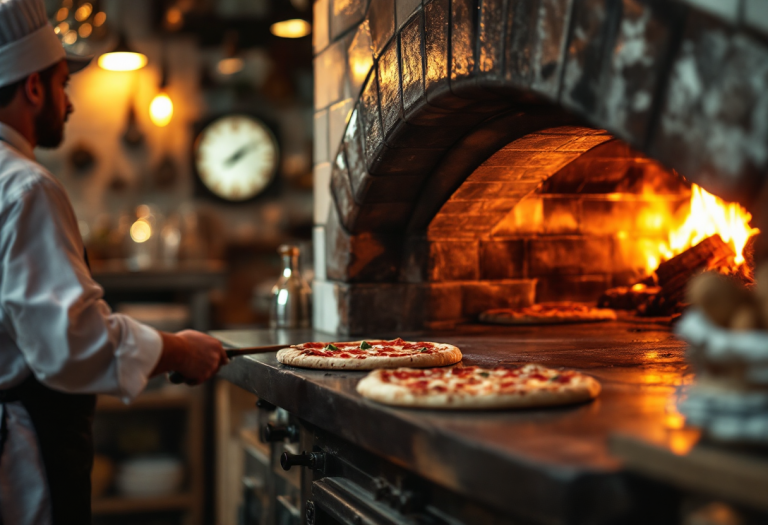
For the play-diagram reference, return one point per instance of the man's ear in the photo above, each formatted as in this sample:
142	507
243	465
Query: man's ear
34	91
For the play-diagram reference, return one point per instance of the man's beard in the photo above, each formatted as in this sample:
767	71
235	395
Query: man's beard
49	127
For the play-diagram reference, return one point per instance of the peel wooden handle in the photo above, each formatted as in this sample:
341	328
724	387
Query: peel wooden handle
177	379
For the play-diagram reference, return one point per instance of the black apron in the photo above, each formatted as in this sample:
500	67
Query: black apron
63	424
64	427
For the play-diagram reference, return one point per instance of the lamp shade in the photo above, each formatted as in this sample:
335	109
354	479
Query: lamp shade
123	57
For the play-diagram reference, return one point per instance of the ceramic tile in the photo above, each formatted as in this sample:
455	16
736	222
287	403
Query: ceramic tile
371	118
338	117
321	137
322	189
404	9
411	64
491	59
436	16
381	15
462	38
325	307
354	149
389	87
635	67
345	14
329	75
551	41
360	58
318	245
320	27
712	127
518	47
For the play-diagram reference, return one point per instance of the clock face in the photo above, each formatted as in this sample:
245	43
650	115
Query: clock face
236	157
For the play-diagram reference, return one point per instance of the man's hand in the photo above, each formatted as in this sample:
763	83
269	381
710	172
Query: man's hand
193	354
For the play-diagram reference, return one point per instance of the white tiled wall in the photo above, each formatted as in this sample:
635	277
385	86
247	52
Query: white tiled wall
325	307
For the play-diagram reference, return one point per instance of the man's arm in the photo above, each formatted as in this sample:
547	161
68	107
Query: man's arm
56	315
194	355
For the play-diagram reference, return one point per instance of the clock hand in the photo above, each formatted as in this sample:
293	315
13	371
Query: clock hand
239	154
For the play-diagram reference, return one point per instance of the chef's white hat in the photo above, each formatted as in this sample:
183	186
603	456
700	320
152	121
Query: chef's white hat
28	43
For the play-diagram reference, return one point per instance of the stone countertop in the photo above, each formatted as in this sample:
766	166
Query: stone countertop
546	464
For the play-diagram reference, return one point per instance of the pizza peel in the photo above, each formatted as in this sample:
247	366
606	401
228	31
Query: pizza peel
176	378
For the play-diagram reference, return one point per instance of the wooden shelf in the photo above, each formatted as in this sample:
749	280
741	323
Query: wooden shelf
122	504
166	397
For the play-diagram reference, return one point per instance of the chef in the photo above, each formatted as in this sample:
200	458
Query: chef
59	342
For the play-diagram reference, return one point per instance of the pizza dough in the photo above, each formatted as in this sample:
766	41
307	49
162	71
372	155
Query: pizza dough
369	355
478	388
548	313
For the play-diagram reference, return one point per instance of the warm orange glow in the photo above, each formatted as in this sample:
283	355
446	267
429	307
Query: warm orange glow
122	61
85	30
294	28
174	16
99	19
62	13
61	28
83	12
709	215
230	66
161	110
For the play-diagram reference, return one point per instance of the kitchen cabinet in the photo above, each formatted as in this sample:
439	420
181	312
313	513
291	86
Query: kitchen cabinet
168	420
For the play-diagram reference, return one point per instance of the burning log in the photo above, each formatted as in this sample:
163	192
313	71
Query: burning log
709	254
672	276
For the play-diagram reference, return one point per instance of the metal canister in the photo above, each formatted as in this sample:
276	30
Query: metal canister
291	295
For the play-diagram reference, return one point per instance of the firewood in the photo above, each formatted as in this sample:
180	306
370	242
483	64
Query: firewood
709	253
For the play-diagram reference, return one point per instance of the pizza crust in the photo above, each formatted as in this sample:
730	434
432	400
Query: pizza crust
548	313
372	387
444	355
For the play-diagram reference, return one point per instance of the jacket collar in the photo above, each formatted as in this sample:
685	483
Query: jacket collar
15	139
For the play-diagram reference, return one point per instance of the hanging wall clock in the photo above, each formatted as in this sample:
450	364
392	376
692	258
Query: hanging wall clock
236	157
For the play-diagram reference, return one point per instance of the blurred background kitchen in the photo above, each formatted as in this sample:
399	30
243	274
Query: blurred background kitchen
189	162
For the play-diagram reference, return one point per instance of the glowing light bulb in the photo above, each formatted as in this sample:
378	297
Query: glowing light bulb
122	61
294	28
161	110
141	231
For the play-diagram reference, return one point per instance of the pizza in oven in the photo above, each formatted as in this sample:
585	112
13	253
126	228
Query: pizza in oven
548	313
472	387
369	355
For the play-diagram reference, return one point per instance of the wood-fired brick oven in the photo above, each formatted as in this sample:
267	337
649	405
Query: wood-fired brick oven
448	129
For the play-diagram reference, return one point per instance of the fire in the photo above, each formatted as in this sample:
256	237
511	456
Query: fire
709	215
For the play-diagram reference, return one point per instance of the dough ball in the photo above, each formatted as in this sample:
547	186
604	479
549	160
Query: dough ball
718	296
746	317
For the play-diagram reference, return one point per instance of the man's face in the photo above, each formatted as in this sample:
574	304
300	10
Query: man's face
49	122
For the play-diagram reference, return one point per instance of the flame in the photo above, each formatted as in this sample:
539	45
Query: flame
709	215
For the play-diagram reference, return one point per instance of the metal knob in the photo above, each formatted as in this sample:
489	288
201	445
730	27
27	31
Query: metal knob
311	460
271	433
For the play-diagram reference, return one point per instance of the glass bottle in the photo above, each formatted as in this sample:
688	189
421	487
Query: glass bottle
291	295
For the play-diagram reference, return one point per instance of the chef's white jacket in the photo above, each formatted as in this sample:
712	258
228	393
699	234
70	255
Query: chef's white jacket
53	321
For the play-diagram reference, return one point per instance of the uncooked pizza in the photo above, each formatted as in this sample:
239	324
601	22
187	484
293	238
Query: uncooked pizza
548	313
472	387
369	355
